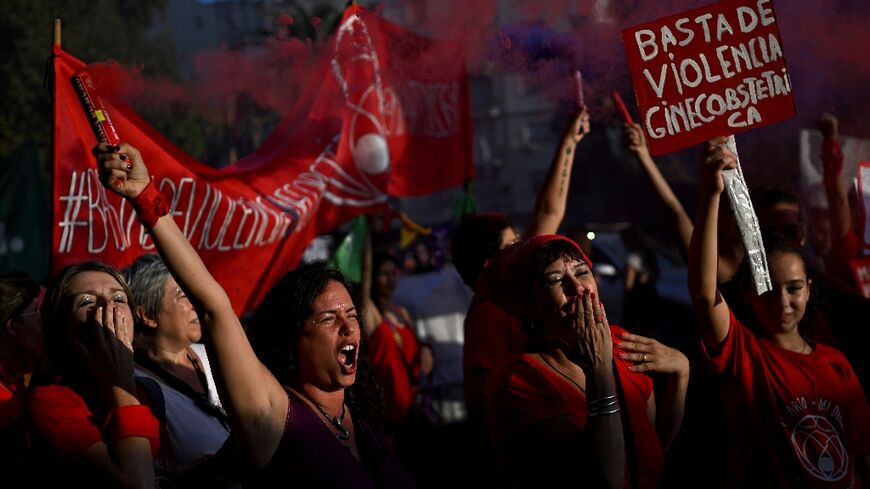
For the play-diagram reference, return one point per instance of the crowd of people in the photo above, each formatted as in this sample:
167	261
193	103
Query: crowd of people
146	377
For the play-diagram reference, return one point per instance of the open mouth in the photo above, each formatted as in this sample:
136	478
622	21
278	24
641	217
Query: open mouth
347	358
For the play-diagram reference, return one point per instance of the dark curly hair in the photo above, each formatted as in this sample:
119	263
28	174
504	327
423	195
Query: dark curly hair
277	324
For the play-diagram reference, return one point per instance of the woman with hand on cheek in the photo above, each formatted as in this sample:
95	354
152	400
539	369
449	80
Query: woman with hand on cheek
569	400
90	424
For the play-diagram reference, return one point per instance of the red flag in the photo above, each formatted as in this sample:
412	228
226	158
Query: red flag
389	118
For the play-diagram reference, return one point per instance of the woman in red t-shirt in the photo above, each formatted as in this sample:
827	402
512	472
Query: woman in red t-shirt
798	415
90	423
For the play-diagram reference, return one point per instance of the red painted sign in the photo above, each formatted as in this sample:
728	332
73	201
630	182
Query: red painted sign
708	72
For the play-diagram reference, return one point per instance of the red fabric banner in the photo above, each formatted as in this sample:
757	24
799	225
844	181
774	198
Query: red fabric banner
708	72
389	117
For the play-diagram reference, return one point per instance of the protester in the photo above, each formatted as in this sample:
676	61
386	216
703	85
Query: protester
731	252
400	364
491	335
165	352
300	417
88	426
554	414
845	240
22	356
797	415
398	359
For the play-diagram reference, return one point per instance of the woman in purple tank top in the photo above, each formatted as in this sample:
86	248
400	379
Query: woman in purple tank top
298	415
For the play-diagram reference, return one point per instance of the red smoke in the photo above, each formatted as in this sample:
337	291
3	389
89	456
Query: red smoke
824	42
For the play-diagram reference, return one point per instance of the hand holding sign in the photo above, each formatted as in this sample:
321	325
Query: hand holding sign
715	158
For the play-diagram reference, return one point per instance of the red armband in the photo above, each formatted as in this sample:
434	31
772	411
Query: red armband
150	205
136	420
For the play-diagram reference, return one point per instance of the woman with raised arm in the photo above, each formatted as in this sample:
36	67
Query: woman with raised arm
797	415
295	416
732	254
568	407
88	425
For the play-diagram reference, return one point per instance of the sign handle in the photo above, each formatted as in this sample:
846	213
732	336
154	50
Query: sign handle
747	222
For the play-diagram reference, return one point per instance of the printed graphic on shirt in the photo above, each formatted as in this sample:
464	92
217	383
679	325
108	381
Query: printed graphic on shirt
815	437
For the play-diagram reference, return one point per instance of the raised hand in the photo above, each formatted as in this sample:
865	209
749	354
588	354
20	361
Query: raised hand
714	158
635	140
832	154
649	355
829	125
121	169
579	127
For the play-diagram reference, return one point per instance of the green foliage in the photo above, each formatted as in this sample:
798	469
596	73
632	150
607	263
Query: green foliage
95	30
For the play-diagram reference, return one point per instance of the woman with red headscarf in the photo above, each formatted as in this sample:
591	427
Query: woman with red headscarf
570	399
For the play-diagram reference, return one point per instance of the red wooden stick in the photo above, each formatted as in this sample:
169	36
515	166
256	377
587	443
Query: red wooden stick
620	105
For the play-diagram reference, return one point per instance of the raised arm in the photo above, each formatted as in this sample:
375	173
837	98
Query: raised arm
835	188
255	399
677	216
553	196
710	307
371	315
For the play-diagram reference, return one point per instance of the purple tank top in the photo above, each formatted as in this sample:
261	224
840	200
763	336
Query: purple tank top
309	455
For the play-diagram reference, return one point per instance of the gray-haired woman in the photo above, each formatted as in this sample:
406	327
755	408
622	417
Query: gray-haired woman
166	352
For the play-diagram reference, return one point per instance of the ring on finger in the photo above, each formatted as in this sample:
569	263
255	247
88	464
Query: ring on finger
643	357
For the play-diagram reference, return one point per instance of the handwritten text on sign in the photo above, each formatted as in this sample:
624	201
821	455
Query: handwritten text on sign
709	72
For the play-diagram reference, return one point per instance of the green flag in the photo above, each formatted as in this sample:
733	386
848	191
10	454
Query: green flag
466	204
348	255
24	215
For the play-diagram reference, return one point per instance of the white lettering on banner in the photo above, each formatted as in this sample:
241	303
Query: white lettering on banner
213	220
221	222
73	204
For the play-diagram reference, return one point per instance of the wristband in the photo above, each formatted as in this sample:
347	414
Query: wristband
135	420
603	412
150	205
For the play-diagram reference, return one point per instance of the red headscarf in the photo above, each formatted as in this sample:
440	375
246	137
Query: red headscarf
506	278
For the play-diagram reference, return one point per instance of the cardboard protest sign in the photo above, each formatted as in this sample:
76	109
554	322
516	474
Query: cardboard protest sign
711	71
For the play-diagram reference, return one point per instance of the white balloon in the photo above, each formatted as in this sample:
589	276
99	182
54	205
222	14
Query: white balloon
371	154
